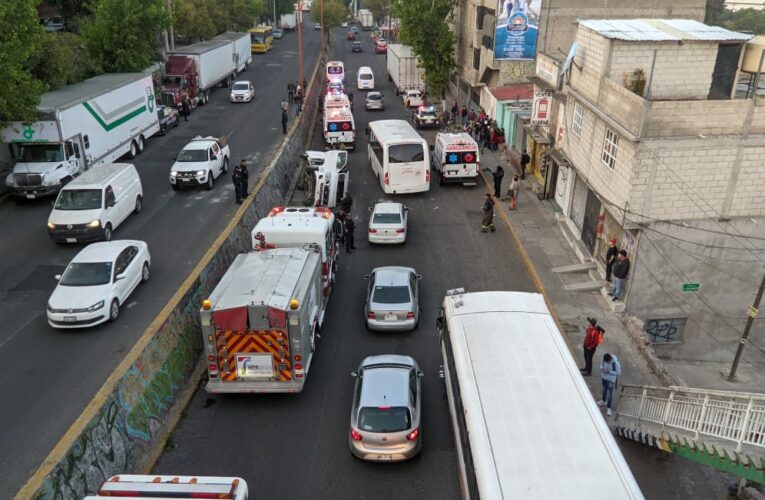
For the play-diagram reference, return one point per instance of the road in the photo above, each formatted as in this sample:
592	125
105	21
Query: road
50	375
295	446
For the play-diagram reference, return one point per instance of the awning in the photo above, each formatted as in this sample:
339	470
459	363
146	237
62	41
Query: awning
536	134
558	157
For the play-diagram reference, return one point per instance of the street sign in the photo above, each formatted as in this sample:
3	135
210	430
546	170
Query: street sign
691	287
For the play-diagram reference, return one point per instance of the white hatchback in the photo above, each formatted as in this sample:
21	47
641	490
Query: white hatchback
97	282
387	224
242	91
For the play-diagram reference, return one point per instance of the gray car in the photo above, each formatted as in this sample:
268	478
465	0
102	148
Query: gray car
393	299
374	100
386	411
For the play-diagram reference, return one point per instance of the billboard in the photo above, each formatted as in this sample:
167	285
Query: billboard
515	36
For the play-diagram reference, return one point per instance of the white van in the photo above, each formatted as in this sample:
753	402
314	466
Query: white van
365	79
91	206
455	158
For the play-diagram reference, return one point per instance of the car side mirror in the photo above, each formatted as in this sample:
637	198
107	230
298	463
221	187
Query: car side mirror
370	208
367	276
432	147
420	374
354	375
419	276
119	277
406	208
57	277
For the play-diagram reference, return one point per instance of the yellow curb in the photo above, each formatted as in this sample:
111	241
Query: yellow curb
70	436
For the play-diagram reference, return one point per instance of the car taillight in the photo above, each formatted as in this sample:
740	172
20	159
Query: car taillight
371	315
212	367
325	268
413	435
372	230
400	230
298	366
297	357
410	315
356	435
427	176
386	179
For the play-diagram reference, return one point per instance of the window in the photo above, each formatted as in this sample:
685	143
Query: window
610	145
376	148
476	58
578	120
86	140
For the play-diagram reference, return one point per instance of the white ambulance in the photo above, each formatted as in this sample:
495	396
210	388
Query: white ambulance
335	71
336	101
455	158
339	128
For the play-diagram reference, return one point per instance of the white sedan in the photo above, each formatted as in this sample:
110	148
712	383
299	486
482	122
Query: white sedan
97	282
242	91
388	223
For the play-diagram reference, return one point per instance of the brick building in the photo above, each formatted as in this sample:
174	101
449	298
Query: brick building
659	145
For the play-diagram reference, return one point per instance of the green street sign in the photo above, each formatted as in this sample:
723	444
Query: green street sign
691	287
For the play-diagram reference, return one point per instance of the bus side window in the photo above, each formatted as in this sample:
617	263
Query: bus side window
376	148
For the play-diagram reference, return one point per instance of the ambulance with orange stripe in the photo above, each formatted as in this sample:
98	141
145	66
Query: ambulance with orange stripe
261	323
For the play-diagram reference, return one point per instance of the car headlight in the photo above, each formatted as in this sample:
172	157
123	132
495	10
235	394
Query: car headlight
173	174
95	307
49	308
10	180
51	226
201	172
95	223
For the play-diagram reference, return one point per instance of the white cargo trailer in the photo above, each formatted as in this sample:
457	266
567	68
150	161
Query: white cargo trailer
366	18
213	61
403	68
241	49
289	21
80	126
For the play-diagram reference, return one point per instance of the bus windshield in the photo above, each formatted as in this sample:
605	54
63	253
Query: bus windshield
405	153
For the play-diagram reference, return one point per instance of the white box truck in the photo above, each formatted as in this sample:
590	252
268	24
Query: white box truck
192	71
241	50
81	126
403	68
366	18
288	21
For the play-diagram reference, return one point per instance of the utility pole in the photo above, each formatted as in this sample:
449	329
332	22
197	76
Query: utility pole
321	21
172	33
752	313
300	42
275	24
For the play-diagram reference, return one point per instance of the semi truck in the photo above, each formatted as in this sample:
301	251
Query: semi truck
240	45
192	71
366	19
288	21
79	127
403	69
261	322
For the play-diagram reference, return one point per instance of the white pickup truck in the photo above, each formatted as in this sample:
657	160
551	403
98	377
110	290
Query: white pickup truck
200	162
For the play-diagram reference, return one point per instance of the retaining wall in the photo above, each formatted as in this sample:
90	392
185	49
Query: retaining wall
118	430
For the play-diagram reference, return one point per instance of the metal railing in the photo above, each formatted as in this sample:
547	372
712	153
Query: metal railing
736	417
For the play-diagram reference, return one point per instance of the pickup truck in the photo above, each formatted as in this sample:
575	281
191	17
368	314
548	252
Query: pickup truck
200	162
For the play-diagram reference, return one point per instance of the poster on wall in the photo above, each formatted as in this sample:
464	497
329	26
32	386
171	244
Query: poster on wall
515	36
540	110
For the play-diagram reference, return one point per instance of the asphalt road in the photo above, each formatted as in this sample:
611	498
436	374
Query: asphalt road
295	446
50	375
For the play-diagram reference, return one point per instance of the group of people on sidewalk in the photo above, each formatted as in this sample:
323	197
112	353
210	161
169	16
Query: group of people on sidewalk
617	269
610	367
344	225
295	95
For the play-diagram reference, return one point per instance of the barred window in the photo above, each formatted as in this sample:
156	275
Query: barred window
578	120
610	146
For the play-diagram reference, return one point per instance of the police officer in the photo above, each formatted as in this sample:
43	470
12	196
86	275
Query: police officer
487	223
347	203
245	176
236	177
498	175
348	228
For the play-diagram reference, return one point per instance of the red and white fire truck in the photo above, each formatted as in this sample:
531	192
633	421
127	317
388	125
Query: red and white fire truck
261	323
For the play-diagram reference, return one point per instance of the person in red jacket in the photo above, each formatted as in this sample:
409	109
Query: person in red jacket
592	338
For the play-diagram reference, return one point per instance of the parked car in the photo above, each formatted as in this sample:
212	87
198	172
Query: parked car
97	282
317	26
386	413
425	116
242	91
55	23
355	29
387	224
278	33
200	162
381	48
392	299
374	100
168	118
356	47
350	36
413	98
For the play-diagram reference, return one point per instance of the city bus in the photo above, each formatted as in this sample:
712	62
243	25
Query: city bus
261	39
525	424
399	157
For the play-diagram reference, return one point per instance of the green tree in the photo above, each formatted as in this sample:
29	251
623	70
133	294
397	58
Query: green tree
714	12
425	26
20	35
192	21
380	9
335	13
63	59
750	20
123	35
238	15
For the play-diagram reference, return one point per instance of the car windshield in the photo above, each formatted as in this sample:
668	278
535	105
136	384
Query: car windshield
79	199
190	155
357	44
391	295
334	70
384	419
365	76
374	97
41	152
386	219
87	274
428	112
241	86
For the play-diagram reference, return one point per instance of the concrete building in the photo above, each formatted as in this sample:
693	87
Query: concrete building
652	145
475	29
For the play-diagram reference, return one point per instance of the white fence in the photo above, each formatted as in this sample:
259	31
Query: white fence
731	416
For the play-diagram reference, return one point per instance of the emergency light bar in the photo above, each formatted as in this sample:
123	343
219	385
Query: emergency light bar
174	488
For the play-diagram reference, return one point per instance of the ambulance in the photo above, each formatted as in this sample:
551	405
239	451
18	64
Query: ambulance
336	101
455	158
261	322
177	487
335	71
339	128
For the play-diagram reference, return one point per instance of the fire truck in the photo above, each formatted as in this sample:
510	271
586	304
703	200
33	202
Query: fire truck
300	226
261	323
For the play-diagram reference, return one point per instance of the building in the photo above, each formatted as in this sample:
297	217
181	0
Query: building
658	145
744	4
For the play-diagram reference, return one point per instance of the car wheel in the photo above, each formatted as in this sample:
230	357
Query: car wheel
108	232
225	166
114	310
210	181
141	144
138	205
133	150
145	272
175	187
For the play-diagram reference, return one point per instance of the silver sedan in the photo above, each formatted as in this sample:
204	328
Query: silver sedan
393	299
374	100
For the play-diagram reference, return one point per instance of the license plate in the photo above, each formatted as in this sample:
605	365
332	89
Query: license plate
384	458
185	180
70	319
31	197
71	240
390	317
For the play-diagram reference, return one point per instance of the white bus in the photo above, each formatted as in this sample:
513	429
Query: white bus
524	421
399	157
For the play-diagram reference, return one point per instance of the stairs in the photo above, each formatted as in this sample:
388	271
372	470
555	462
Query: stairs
722	429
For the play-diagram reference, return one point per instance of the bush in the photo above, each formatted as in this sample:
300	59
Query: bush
62	60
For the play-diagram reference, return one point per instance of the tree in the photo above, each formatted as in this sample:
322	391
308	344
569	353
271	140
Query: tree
20	35
238	15
380	9
123	35
195	20
425	26
714	12
335	13
63	59
749	20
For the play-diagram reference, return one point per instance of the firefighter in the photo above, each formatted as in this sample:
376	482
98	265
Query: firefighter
488	215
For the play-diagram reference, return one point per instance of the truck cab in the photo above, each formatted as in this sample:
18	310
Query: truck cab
41	169
180	82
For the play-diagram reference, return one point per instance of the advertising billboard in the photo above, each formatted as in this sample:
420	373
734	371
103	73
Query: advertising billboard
515	36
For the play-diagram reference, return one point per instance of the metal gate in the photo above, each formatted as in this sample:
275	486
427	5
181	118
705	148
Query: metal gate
589	227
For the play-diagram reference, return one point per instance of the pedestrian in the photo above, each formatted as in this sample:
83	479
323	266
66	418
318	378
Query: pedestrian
290	91
500	139
236	177
346	203
621	272
493	140
245	178
464	114
525	160
455	109
340	225
471	116
498	174
593	337
285	119
350	99
478	130
185	110
514	192
611	258
298	101
305	86
487	223
348	228
610	370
